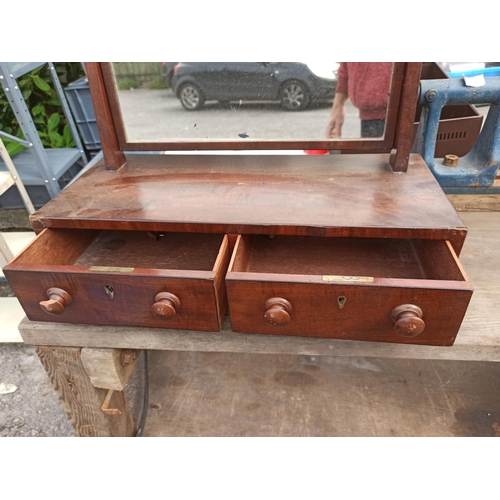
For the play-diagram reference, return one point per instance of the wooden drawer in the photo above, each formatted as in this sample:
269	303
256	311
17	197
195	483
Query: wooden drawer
115	278
385	290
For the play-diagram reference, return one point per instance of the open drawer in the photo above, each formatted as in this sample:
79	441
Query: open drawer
134	278
384	290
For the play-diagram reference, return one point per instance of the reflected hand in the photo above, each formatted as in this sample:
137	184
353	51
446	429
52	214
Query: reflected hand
334	127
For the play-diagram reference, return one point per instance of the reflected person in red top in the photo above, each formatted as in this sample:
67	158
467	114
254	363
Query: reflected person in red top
367	85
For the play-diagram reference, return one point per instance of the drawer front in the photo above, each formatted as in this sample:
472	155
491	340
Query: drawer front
132	278
340	311
118	299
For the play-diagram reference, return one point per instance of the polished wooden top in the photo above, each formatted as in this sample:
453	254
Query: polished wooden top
330	195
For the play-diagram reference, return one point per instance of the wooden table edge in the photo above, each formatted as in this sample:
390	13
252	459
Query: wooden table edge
71	335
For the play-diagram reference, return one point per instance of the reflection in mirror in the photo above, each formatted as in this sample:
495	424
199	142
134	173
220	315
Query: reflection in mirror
225	101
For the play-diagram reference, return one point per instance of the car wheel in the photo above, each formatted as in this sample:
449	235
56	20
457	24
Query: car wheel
191	97
294	96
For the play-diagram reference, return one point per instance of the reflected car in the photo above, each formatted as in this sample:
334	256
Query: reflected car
296	86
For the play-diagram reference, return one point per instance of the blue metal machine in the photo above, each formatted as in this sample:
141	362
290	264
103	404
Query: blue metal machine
476	171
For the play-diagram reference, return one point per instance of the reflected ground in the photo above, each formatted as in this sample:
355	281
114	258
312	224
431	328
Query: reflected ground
158	114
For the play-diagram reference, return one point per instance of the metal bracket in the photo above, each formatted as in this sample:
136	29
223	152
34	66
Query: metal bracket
105	405
479	167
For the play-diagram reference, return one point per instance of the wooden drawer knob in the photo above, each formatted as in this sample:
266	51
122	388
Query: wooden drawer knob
166	305
58	298
408	320
278	311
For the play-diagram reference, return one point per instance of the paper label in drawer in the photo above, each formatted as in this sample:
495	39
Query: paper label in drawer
112	269
349	279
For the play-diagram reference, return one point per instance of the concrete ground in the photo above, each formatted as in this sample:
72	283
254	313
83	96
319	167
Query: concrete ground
157	114
34	408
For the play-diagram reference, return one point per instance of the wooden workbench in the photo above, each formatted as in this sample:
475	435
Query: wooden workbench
59	345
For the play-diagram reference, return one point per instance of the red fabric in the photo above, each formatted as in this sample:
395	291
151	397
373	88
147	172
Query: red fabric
367	85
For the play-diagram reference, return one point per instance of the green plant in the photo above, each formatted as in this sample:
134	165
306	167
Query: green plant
157	83
127	83
44	105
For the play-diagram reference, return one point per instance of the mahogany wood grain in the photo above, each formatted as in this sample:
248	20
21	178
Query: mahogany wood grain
406	114
366	308
242	253
385	144
187	251
124	294
277	311
389	258
477	340
57	300
438	261
232	241
381	258
113	156
407	319
220	269
133	297
365	316
331	195
56	247
166	305
396	100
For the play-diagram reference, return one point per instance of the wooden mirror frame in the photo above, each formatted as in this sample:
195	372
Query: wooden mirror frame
397	138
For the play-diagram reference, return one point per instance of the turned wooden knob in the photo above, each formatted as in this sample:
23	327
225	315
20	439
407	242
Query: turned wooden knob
166	305
58	298
278	311
408	320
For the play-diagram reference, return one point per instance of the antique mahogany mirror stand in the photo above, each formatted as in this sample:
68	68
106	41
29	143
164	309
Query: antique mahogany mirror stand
362	245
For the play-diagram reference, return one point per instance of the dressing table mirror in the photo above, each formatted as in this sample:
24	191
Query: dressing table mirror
260	102
164	233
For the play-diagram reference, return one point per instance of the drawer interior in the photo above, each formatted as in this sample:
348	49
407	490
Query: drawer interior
127	249
378	258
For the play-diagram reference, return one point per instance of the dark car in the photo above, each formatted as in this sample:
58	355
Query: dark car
295	85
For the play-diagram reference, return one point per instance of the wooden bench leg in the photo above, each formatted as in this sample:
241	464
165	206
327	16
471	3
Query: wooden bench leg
81	400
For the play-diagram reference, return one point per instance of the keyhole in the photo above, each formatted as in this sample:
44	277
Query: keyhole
110	291
341	300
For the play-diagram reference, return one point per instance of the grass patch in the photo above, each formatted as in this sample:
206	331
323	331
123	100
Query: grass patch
127	83
157	84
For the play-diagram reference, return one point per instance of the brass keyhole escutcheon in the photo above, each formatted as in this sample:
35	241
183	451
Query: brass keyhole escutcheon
341	300
110	291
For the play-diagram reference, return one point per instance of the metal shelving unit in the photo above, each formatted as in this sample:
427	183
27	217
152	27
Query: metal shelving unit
40	169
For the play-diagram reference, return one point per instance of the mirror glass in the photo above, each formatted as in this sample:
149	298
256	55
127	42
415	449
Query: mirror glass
234	101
